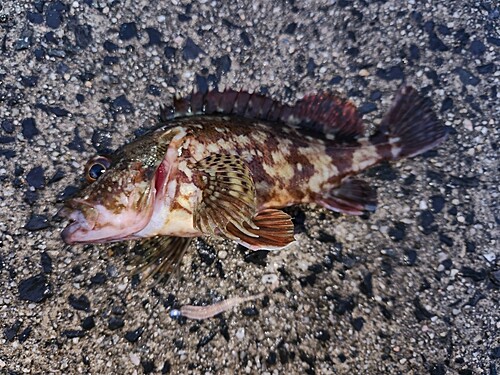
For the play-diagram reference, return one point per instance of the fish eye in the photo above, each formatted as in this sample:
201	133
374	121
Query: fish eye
96	167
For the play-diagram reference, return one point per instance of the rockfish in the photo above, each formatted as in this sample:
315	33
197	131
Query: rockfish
224	164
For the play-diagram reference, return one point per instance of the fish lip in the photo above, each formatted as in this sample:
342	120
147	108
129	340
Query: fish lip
67	235
68	232
77	222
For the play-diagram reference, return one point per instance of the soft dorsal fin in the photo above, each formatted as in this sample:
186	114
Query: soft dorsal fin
321	113
328	114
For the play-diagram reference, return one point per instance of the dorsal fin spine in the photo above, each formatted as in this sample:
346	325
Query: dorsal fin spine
322	113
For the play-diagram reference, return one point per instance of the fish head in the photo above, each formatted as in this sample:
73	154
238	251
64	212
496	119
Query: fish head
119	198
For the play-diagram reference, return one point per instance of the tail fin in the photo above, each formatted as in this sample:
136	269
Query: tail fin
410	125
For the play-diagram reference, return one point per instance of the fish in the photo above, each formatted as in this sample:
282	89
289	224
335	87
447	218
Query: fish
225	165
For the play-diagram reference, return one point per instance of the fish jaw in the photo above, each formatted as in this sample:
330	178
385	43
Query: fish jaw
97	224
78	224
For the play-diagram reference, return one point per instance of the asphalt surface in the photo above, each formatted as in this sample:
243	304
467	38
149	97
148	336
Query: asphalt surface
411	289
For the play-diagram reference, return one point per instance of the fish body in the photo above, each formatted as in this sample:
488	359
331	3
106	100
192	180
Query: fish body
225	164
286	171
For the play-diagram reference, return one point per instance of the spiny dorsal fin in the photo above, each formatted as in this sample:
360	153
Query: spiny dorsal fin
322	113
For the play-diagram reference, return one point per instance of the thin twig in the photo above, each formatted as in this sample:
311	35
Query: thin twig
206	312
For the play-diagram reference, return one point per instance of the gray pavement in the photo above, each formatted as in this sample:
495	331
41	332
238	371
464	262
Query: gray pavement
411	289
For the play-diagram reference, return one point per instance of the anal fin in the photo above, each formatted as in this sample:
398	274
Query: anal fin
352	197
160	256
272	229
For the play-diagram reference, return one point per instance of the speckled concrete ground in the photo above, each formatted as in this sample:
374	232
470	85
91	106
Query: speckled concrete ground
412	289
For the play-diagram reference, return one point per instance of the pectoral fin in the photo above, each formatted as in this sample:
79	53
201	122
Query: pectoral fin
273	229
228	206
228	194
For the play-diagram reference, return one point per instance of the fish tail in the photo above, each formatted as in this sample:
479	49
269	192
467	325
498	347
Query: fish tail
410	127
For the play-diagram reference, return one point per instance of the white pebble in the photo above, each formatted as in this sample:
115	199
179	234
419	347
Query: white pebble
468	124
423	205
364	73
175	314
240	333
490	257
134	358
122	287
270	278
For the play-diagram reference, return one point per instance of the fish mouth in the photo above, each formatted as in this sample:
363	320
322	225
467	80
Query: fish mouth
68	232
78	224
96	224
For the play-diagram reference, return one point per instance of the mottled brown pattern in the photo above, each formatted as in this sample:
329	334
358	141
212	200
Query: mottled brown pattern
385	151
181	177
342	160
302	174
275	186
177	206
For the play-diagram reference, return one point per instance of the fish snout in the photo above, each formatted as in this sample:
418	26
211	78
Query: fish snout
67	233
79	224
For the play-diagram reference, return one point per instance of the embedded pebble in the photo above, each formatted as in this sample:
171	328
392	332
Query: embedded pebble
54	14
128	31
468	125
133	336
46	262
240	333
35	289
134	358
29	128
269	279
36	177
490	257
79	303
191	50
8	126
115	323
88	323
37	222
